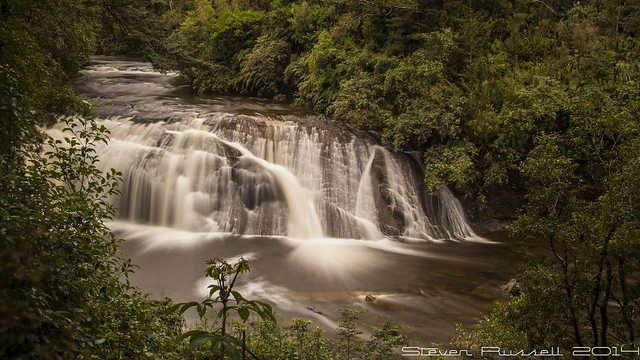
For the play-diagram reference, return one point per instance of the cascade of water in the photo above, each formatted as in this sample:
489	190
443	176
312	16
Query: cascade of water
365	207
303	220
404	198
452	217
202	168
365	204
175	175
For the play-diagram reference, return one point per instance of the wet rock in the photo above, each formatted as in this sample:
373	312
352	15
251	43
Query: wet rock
340	223
314	310
390	215
370	298
513	288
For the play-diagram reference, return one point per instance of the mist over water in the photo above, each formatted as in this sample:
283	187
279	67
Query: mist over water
324	216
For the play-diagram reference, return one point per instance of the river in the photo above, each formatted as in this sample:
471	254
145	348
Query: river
324	216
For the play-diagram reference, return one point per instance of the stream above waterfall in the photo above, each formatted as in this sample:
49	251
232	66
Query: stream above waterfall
324	216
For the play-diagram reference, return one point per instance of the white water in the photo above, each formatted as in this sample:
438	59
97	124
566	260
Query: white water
185	175
303	220
365	206
204	169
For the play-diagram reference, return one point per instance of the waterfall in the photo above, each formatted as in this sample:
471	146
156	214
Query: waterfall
452	217
209	167
277	179
303	220
365	206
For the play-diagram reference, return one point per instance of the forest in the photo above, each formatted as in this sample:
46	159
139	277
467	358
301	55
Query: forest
528	110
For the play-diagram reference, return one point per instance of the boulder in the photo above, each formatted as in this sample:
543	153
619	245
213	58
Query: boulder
513	288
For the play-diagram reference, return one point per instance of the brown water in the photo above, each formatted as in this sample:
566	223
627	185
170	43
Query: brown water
427	287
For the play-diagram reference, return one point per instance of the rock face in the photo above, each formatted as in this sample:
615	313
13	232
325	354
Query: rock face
513	288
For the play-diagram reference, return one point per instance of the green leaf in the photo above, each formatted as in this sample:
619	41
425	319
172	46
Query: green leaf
197	340
202	310
191	333
185	306
237	296
213	289
244	313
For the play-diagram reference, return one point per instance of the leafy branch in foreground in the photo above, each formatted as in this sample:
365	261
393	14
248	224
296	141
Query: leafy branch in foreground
229	301
233	337
65	294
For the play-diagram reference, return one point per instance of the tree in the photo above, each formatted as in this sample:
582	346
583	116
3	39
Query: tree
42	44
583	207
385	340
348	330
65	294
136	28
270	341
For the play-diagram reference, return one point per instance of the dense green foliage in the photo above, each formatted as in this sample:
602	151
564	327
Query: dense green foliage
133	27
583	206
270	341
63	292
39	51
